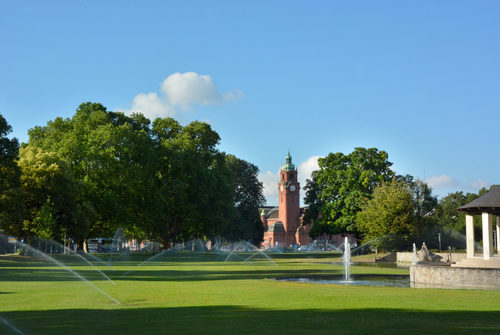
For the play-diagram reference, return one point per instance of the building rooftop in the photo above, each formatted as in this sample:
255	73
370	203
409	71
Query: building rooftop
487	203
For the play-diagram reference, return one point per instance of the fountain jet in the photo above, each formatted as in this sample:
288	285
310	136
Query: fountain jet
347	259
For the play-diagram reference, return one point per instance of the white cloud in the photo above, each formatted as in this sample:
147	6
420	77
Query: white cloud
150	105
270	181
185	89
479	184
180	90
442	181
443	184
306	168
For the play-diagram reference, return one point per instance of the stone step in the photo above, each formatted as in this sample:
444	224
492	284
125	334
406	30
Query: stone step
479	262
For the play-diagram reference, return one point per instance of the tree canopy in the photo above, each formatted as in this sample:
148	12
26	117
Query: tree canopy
390	216
12	208
98	171
337	191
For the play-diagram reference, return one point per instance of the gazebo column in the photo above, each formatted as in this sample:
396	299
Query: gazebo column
487	220
498	235
469	233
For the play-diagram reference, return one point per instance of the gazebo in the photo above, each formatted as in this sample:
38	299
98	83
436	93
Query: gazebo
486	205
473	271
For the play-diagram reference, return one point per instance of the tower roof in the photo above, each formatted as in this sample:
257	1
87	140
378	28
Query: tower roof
288	166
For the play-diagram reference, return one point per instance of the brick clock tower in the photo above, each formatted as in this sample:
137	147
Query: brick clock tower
289	205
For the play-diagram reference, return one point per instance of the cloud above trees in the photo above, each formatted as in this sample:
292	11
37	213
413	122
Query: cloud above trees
180	92
270	181
450	184
306	168
442	181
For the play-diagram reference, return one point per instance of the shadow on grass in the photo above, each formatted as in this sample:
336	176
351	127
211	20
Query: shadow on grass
24	268
240	320
161	259
27	274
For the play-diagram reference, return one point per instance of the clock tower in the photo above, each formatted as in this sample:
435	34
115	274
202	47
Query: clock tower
289	205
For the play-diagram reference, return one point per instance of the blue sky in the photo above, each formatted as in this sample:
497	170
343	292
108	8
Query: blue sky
420	80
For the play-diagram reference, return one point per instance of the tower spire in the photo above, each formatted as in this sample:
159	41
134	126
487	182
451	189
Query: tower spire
288	166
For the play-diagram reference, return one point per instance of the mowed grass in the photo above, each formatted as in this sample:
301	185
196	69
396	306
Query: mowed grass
198	293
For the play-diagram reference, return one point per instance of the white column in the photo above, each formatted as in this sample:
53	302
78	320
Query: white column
487	220
469	233
498	235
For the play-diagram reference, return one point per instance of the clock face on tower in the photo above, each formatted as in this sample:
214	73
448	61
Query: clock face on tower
292	188
281	188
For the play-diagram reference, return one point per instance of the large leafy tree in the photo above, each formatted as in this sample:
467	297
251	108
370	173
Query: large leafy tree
196	198
52	196
390	216
338	190
158	181
447	213
248	197
12	209
113	156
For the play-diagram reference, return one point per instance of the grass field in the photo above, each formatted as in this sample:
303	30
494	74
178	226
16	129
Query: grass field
197	293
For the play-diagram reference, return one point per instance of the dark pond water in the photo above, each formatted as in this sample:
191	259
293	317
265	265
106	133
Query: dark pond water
363	280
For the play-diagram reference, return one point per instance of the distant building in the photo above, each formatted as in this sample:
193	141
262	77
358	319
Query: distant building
283	225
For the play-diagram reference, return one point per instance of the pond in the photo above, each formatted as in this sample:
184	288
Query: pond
359	279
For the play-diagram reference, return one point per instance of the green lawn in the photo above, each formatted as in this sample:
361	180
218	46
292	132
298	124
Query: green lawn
193	293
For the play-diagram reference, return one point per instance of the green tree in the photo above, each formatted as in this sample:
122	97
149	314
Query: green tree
338	190
113	156
52	197
44	224
12	209
248	197
390	216
194	189
425	201
157	181
447	213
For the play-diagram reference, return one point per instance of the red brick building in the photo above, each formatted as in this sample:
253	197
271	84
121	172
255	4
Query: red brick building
283	225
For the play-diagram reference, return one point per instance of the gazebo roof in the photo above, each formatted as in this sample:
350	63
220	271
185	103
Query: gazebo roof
487	203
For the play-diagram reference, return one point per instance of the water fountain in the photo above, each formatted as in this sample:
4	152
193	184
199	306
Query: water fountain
414	259
37	252
67	250
244	246
347	279
228	250
174	249
347	259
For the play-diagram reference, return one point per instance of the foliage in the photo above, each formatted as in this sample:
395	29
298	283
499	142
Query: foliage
51	194
248	197
447	213
44	224
159	180
11	198
425	202
194	199
112	156
390	217
337	191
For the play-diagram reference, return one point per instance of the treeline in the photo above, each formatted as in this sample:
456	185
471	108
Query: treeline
88	175
359	193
